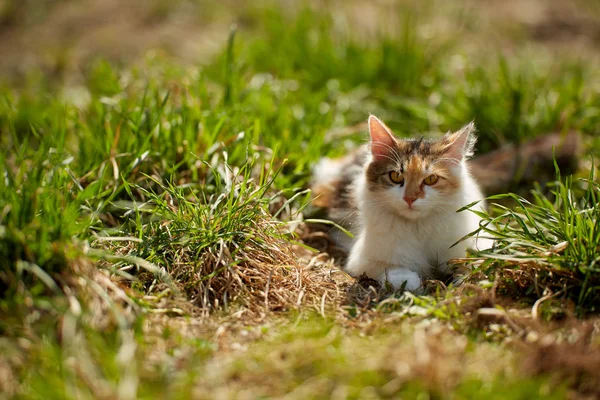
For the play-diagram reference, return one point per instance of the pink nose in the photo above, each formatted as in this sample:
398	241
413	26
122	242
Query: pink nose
409	200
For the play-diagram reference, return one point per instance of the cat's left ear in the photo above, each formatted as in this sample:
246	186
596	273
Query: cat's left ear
382	139
460	144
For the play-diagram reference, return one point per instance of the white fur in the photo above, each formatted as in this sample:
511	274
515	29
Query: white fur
326	171
399	244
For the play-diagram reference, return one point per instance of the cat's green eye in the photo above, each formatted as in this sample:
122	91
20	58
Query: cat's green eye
431	180
396	177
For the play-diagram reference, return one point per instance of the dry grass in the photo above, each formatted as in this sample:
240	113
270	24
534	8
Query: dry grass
255	276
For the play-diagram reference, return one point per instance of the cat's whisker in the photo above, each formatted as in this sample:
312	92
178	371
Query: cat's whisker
448	160
379	203
386	145
395	160
347	217
395	157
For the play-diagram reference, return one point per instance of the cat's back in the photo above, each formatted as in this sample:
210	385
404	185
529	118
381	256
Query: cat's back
333	184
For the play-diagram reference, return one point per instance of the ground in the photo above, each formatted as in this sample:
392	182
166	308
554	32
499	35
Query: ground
158	236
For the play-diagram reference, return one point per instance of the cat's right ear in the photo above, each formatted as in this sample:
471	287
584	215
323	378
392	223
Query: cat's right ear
460	144
382	139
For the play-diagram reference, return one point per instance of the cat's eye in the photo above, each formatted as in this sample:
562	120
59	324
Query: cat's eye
431	180
396	177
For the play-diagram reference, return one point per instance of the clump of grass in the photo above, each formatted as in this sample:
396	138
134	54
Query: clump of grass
37	221
46	266
547	247
219	242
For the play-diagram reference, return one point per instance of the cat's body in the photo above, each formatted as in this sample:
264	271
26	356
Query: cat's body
402	204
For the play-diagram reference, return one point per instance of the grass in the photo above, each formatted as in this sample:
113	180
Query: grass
152	237
557	237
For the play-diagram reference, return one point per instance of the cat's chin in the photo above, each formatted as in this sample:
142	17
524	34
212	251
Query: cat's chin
410	214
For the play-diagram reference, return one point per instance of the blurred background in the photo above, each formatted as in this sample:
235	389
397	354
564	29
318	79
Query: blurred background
62	38
519	68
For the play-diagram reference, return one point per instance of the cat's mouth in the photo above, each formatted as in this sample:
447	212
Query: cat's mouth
411	213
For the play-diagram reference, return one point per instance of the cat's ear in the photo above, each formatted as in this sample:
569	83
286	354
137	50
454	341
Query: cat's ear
460	144
382	139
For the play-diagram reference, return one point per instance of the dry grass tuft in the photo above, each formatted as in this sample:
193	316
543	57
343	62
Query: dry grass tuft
529	282
9	384
255	276
81	288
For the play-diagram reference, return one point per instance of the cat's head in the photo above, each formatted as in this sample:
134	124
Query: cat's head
415	177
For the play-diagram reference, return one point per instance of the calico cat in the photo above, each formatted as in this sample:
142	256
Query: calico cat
400	198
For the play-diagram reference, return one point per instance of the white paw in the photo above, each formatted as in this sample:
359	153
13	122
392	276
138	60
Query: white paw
398	276
483	243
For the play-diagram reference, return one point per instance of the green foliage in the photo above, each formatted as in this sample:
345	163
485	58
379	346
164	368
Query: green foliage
511	102
559	234
198	231
418	84
315	49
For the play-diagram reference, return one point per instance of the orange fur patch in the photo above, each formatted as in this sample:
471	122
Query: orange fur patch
419	168
415	174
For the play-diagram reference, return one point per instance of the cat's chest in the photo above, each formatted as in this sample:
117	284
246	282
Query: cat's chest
398	241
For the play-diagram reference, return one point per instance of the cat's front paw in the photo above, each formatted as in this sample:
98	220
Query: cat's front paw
397	276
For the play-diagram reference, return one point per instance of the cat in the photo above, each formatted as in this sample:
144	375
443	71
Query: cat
400	199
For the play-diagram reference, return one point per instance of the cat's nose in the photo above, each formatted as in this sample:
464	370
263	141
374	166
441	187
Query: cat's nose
409	200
